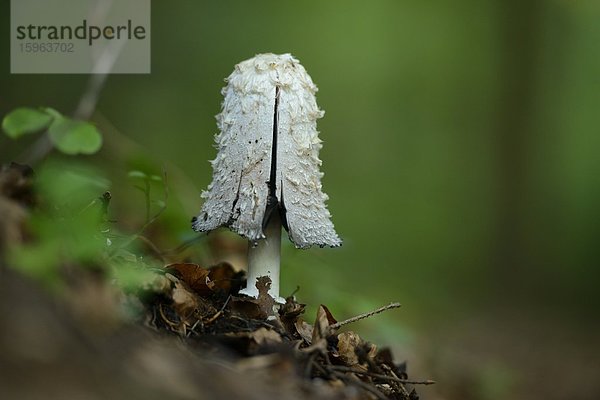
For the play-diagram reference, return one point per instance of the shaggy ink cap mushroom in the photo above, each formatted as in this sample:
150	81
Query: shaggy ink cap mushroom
267	170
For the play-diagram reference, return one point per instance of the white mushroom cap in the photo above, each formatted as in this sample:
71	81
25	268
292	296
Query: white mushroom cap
238	194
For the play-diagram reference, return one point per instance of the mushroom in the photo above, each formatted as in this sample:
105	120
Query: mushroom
266	174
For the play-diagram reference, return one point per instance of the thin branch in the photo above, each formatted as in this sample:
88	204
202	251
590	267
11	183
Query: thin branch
152	246
398	386
338	325
355	381
342	368
218	313
184	245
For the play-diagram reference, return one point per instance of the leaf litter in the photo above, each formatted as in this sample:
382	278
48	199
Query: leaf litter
263	336
202	309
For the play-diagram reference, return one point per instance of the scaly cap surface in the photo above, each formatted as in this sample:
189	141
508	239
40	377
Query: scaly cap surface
237	196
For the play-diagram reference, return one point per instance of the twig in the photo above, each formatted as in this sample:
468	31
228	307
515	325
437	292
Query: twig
193	328
152	246
183	245
226	302
360	384
218	313
309	364
164	317
397	385
342	368
320	368
295	291
338	325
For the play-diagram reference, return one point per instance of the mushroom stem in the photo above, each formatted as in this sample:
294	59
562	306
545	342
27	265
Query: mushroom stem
264	259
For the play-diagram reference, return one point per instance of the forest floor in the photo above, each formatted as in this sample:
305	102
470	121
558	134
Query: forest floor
181	332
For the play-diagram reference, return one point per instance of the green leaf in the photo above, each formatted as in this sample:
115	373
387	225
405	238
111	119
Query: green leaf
137	174
67	232
24	121
131	276
75	137
52	112
73	183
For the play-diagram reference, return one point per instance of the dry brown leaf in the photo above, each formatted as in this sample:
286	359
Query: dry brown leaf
12	220
184	302
16	184
265	336
305	330
252	308
289	314
372	351
196	277
16	196
247	307
347	344
324	320
265	301
250	342
291	309
222	276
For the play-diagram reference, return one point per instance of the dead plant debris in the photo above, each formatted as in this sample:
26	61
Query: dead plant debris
203	306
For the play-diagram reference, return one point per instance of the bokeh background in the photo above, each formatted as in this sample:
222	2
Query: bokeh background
461	157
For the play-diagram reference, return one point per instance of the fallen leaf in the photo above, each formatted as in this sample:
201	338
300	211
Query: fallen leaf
289	314
12	223
265	301
291	309
223	276
264	336
324	320
196	277
305	330
260	308
366	353
250	342
247	307
347	345
184	302
16	183
16	196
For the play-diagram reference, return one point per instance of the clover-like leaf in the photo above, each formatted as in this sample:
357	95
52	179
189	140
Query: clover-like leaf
75	137
24	121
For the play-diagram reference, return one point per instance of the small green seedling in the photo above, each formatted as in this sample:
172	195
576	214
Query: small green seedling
67	135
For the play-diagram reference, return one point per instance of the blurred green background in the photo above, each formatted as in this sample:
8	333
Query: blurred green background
460	154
